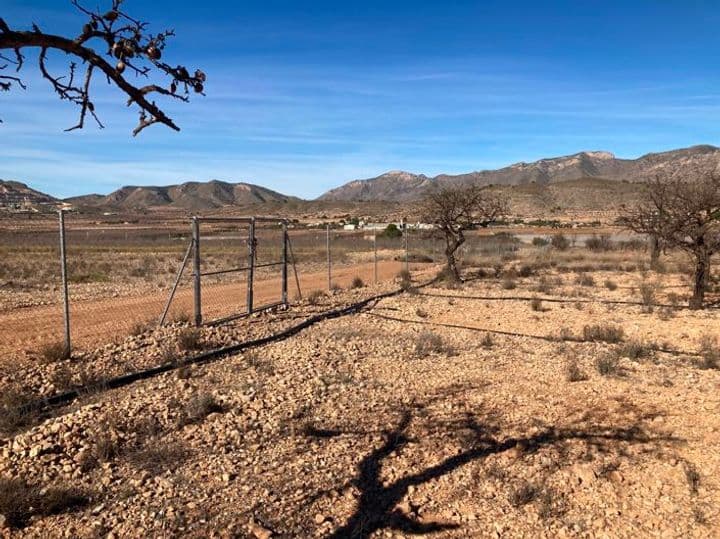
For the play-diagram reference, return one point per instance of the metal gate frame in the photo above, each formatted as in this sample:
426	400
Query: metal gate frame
250	268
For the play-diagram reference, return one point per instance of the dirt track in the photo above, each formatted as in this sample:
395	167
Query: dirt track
101	321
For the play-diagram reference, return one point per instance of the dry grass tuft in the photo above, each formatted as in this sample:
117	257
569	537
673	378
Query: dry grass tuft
573	372
20	502
603	333
610	285
189	340
608	365
509	284
357	282
156	457
709	353
314	297
52	352
13	413
199	407
523	494
431	343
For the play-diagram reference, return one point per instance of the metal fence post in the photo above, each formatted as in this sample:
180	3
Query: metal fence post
285	264
164	315
329	260
251	265
196	270
64	276
375	268
405	239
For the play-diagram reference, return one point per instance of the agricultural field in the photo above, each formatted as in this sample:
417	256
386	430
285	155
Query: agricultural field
560	390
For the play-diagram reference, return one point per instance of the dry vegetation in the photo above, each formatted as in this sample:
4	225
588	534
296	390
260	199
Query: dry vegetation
578	402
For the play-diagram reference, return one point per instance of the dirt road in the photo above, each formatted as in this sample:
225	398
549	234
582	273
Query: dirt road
98	322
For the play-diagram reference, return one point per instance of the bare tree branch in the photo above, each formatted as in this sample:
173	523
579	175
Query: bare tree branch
453	210
682	210
127	45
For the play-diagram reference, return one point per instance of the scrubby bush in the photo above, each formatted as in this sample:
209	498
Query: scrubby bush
54	351
635	350
509	284
315	297
709	353
573	372
537	241
560	242
599	243
190	340
487	341
20	501
198	408
610	285
608	365
603	333
391	231
523	494
431	343
14	412
583	279
648	296
357	282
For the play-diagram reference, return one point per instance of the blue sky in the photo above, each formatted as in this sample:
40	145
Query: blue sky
303	96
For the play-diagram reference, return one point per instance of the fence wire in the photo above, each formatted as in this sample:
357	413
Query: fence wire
120	274
31	313
119	278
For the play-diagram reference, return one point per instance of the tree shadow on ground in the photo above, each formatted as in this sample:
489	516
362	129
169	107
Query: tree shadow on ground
377	507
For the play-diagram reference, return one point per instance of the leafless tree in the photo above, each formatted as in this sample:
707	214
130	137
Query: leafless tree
682	211
124	45
456	209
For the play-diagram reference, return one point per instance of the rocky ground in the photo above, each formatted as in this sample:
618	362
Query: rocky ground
527	403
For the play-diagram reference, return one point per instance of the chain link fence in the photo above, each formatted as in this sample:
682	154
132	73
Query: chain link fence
31	311
126	277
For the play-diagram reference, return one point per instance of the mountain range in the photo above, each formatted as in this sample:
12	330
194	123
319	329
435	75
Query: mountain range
193	196
405	186
396	186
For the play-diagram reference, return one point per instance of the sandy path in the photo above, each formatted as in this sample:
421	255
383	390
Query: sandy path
100	321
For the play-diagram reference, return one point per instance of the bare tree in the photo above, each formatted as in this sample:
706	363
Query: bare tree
128	47
683	211
456	209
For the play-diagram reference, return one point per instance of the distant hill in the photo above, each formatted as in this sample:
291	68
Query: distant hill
193	196
18	196
405	186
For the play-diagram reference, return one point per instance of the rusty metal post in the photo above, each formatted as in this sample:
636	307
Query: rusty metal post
64	276
285	263
251	265
196	271
329	259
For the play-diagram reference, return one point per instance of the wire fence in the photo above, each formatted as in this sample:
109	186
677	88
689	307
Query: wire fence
123	278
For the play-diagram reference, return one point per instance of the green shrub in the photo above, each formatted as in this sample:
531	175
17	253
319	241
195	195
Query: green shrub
391	231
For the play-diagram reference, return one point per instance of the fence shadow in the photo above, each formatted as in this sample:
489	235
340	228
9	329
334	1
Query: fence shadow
377	507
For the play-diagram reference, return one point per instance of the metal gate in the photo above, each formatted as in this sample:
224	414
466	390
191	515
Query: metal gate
224	288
